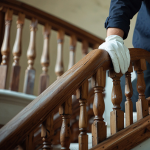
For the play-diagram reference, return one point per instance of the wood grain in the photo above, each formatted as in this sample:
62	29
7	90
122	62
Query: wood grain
56	94
127	138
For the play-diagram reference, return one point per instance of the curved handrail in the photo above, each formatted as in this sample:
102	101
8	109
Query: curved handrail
43	18
56	94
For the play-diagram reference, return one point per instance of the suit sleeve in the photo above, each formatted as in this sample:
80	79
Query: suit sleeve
120	13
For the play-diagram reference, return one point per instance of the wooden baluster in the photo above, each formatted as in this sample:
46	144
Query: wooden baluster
98	126
73	42
44	77
47	133
2	28
65	110
142	103
116	116
128	94
85	47
31	54
5	48
148	99
15	74
82	94
59	68
96	46
30	141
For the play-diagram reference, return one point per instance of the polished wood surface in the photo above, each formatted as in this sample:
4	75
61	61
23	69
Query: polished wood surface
98	126
15	72
117	115
65	110
127	138
142	103
45	61
56	94
128	94
5	49
59	67
82	95
31	54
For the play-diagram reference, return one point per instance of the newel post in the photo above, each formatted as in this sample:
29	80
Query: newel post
98	126
116	116
142	103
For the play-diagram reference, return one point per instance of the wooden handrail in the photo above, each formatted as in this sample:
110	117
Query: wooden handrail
37	111
43	18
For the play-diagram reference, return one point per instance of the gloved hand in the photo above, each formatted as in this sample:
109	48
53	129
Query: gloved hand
118	52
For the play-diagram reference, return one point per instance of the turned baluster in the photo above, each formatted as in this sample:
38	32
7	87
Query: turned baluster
59	68
142	103
85	47
31	54
30	141
96	46
47	133
44	77
65	110
82	94
73	42
5	48
116	116
98	126
15	74
128	94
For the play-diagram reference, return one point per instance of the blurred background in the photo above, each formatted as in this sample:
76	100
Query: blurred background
89	15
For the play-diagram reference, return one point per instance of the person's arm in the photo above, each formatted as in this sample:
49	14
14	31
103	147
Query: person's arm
115	31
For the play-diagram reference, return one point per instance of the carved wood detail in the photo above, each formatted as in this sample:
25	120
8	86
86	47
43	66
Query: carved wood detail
31	54
5	49
59	68
116	116
44	77
15	74
142	103
82	94
98	126
65	110
128	94
47	133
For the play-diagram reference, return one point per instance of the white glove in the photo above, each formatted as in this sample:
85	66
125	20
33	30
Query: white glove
118	52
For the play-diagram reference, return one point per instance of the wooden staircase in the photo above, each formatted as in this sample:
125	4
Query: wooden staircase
38	124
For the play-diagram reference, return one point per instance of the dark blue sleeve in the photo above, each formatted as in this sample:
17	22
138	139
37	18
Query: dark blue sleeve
120	13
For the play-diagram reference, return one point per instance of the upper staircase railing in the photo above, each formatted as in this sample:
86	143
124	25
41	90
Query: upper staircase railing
8	8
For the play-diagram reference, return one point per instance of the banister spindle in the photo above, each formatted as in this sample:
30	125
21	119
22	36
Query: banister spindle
59	68
85	47
44	77
116	116
98	126
47	133
30	141
14	80
5	49
73	42
65	110
31	54
82	94
142	103
128	94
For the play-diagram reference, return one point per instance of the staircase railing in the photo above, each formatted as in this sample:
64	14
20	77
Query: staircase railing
58	95
8	8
